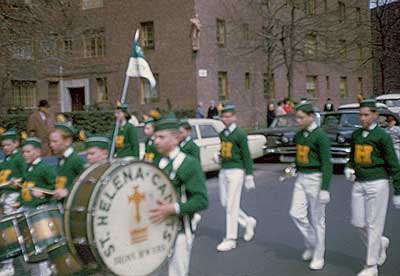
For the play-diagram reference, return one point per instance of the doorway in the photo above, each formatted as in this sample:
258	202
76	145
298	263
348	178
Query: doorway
77	98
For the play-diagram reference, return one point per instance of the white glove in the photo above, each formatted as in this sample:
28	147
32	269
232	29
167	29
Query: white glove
324	197
396	201
249	182
350	174
217	157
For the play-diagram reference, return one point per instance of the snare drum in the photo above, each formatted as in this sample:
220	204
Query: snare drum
107	218
40	228
62	263
9	244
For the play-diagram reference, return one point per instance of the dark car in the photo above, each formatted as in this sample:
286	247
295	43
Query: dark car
340	125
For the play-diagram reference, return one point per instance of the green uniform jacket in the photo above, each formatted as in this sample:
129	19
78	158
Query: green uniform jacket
189	147
39	175
235	152
151	154
72	167
191	176
127	142
313	154
13	166
373	157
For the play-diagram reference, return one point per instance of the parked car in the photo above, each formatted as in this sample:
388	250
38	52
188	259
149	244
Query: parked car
392	101
356	106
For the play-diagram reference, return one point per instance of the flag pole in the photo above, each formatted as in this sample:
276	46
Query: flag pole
123	97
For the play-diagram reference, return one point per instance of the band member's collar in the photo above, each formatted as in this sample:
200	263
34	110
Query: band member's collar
186	140
311	127
68	152
124	123
372	127
232	127
174	153
37	161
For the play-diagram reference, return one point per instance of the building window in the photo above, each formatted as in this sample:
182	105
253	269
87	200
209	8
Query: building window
49	48
358	15
360	52
247	83
148	94
222	86
342	11
23	51
325	6
311	86
92	4
343	48
147	36
221	34
310	7
343	87
67	46
94	44
328	83
102	90
311	45
360	88
246	35
24	93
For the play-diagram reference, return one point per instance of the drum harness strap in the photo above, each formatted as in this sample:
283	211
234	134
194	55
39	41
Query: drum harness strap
176	163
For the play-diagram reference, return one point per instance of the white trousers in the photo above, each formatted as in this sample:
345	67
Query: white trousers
180	260
308	213
230	188
8	200
369	201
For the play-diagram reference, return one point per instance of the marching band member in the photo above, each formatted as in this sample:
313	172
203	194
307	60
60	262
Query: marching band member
310	194
372	161
236	169
127	141
188	179
97	148
151	154
187	145
12	167
40	175
70	164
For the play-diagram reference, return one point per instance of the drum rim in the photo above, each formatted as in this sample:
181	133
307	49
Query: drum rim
94	198
70	201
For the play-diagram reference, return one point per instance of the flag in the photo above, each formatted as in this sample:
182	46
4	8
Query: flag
138	66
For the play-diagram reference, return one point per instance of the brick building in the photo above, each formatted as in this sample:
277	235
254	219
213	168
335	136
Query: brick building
87	65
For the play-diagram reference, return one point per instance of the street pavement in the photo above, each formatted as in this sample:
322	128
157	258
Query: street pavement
277	246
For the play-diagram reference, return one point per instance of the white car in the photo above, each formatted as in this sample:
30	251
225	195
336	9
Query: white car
205	135
357	106
392	101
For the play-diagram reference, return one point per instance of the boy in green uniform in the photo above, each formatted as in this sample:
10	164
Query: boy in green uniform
70	165
372	162
127	140
236	169
40	175
12	167
310	194
189	180
151	154
97	149
187	145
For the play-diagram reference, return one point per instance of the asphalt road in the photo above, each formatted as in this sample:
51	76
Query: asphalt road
277	247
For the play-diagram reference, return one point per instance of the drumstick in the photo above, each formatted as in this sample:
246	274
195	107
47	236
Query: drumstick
9	182
42	190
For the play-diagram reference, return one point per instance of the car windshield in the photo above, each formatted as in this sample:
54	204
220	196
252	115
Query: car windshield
344	119
284	121
391	102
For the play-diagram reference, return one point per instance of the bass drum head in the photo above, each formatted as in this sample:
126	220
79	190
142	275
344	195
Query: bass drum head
126	241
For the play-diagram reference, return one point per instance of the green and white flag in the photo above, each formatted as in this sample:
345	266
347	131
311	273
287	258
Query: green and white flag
138	66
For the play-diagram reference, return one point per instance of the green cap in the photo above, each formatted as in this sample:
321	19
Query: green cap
67	128
10	134
149	120
228	108
371	103
305	106
185	123
98	141
168	122
34	141
122	106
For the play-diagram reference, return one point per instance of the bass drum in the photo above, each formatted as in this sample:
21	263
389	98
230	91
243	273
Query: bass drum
107	218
